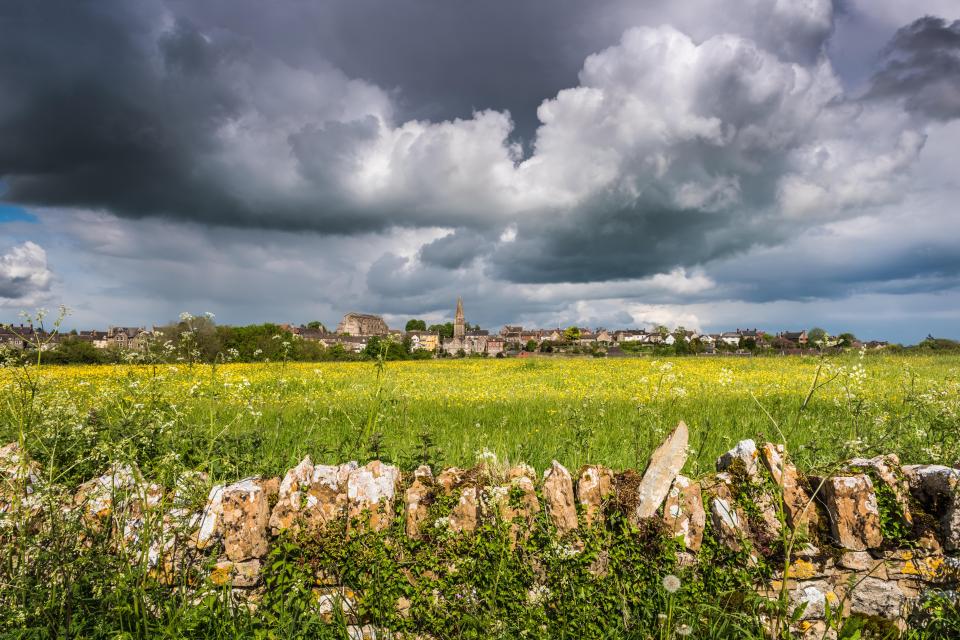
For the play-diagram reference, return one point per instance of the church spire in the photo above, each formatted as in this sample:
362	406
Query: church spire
458	328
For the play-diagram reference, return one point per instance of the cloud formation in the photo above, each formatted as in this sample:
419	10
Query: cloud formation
24	276
539	156
922	68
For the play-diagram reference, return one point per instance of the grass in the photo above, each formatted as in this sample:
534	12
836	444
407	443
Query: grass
234	420
242	419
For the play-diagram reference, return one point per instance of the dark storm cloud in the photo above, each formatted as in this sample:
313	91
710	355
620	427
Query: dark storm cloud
922	67
105	105
454	250
669	148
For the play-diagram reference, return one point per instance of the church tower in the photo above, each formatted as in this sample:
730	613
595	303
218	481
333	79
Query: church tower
458	328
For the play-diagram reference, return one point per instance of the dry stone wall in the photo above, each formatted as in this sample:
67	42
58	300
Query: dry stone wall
840	560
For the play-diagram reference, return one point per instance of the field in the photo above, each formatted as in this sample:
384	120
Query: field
239	419
65	575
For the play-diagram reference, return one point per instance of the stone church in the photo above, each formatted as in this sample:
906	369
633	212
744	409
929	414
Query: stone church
470	342
362	324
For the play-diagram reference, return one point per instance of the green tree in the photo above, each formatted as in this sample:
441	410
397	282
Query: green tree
316	324
416	325
531	345
444	330
817	335
73	351
571	334
846	339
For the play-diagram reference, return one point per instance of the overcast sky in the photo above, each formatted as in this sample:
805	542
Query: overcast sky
715	164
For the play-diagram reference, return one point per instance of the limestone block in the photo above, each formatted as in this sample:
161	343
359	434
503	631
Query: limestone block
593	487
465	516
372	488
746	453
245	516
801	513
729	522
311	495
210	521
97	496
937	489
888	471
417	500
665	463
683	512
559	498
875	597
854	515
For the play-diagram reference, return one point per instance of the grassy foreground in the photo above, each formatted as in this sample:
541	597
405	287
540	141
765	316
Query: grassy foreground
59	578
239	419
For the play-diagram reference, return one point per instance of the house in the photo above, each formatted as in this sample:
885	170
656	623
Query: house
604	337
730	338
11	340
125	338
426	340
796	337
586	338
495	345
356	344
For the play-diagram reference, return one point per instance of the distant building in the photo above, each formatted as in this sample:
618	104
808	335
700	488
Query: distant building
362	324
424	340
470	342
796	337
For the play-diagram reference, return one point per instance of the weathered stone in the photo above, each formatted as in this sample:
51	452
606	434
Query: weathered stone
364	632
466	514
768	526
210	522
291	496
728	520
521	471
729	523
246	574
449	479
815	595
593	487
746	453
311	495
332	600
875	597
417	500
854	516
665	463
371	489
97	496
559	498
517	504
683	512
937	489
887	470
245	515
859	561
801	513
237	574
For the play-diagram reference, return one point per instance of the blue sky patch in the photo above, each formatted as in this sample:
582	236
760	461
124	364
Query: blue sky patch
13	213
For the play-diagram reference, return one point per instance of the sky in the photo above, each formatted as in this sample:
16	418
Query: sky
779	164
